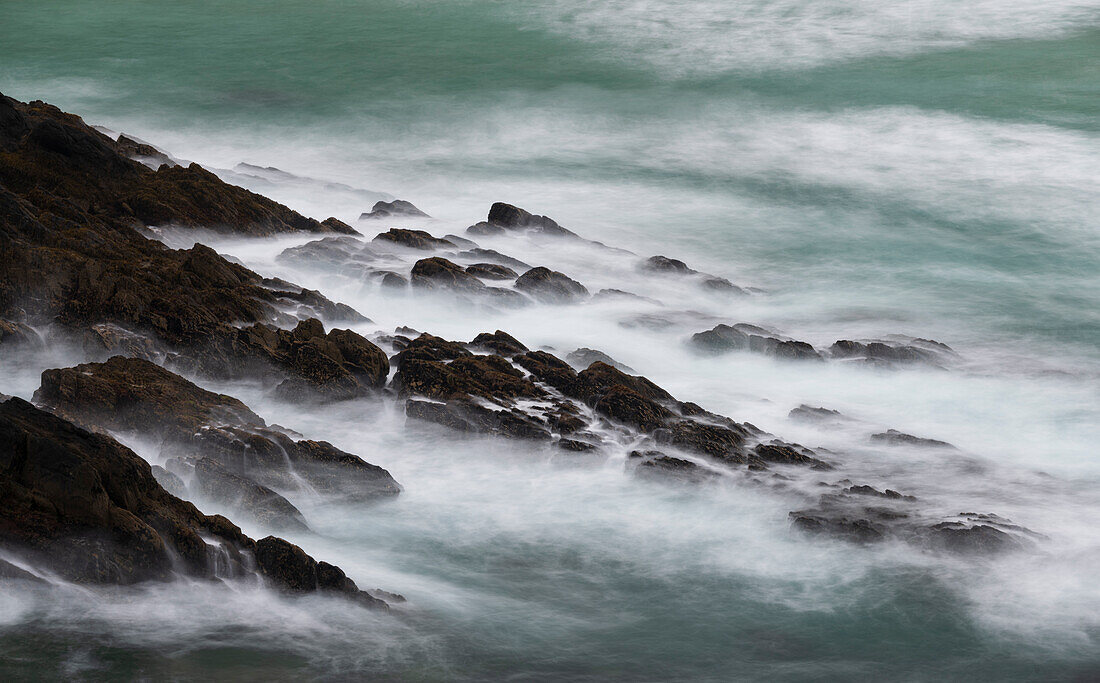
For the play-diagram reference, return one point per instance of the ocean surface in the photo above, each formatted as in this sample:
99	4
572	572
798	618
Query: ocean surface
918	168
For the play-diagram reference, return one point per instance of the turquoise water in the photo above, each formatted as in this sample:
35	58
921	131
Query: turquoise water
913	167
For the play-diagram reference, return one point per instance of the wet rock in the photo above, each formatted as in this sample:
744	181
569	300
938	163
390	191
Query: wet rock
485	229
893	437
500	343
848	528
489	377
391	280
246	497
491	271
89	508
664	264
396	208
143	152
664	467
170	481
290	568
787	455
439	273
328	250
962	538
584	357
574	446
548	368
627	406
510	217
466	416
882	353
133	395
719	340
334	366
9	572
17	334
460	242
413	239
493	256
428	347
550	286
810	414
720	284
865	490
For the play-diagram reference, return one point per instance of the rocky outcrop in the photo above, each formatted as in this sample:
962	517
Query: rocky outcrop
583	357
396	208
664	264
439	273
550	286
506	217
413	239
135	396
744	337
889	353
893	437
88	509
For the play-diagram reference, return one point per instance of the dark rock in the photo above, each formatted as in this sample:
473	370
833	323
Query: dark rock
810	414
430	347
550	286
574	446
398	207
627	406
246	497
851	529
143	152
9	572
484	229
721	339
133	395
392	280
667	467
584	357
498	342
460	242
439	273
477	254
971	539
13	334
413	239
786	455
893	437
491	271
289	567
865	490
170	481
720	284
882	352
664	264
511	217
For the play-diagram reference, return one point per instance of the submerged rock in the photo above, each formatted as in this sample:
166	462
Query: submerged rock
893	437
550	286
398	207
584	357
413	239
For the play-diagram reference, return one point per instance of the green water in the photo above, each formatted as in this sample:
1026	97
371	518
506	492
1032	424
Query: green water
914	167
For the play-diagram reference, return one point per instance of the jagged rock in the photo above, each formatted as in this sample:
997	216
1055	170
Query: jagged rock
723	338
510	217
485	229
787	455
720	284
334	366
170	481
882	353
246	497
328	251
398	207
413	239
865	490
810	414
550	286
143	152
493	256
491	271
439	273
89	508
664	264
656	465
851	529
105	340
133	395
288	566
584	357
498	342
627	406
13	334
893	437
430	347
